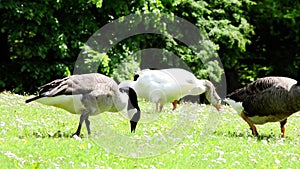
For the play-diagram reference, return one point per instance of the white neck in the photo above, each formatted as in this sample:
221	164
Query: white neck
237	106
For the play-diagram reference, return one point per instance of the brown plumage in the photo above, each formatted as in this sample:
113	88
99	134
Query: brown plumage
269	99
87	94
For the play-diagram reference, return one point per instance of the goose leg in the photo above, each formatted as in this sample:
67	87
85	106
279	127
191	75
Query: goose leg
161	107
83	117
77	133
174	104
87	124
282	124
252	127
156	107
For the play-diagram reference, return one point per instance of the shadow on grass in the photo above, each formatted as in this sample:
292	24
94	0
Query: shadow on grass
58	134
262	137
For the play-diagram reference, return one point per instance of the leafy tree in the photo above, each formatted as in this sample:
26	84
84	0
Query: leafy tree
275	45
224	22
42	39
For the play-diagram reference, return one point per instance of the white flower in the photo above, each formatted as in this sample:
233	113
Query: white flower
153	128
2	124
254	160
152	167
221	159
264	141
77	138
10	155
83	164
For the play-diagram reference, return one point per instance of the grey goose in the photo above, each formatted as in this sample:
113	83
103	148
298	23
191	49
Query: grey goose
268	99
88	94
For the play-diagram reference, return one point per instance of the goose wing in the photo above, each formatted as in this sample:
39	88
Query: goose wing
169	84
269	96
260	86
76	84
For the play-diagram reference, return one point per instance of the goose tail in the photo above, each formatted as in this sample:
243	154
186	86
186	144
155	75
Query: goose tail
33	99
237	106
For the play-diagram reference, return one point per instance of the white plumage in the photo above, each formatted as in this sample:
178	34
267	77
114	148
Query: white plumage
168	85
237	106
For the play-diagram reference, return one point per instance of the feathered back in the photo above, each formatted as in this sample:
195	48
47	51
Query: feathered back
260	85
269	96
78	84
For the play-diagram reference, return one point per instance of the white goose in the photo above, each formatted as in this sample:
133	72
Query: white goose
168	85
269	99
88	94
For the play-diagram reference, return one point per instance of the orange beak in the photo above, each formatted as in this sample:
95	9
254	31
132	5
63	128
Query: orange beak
218	106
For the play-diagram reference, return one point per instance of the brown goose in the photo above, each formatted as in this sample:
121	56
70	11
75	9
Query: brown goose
88	94
269	99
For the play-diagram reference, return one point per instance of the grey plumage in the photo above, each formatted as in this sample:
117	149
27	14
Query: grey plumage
269	99
86	94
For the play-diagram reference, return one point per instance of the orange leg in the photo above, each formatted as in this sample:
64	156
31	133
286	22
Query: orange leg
252	127
174	104
160	106
282	123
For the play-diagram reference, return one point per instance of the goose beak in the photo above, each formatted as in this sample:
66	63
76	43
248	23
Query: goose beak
219	106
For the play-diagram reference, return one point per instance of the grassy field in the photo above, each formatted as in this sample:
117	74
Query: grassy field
194	136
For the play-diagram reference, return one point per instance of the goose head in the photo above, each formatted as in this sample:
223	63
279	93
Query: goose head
207	87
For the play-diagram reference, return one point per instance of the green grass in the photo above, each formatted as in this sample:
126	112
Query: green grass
37	136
